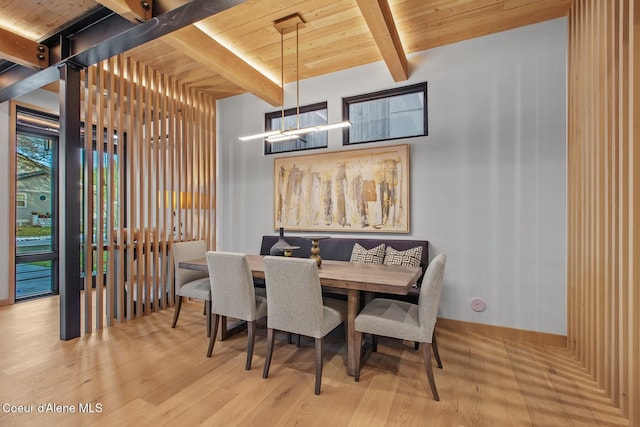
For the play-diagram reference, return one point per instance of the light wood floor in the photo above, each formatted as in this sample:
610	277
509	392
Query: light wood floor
143	373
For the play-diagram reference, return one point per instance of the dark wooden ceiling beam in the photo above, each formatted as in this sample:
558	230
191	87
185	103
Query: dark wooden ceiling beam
377	14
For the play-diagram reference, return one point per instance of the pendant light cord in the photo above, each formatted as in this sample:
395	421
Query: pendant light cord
297	75
285	26
297	80
282	75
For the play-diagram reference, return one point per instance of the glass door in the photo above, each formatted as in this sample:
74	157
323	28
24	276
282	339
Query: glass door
36	205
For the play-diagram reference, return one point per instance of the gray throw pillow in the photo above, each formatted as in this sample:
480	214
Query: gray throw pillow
367	256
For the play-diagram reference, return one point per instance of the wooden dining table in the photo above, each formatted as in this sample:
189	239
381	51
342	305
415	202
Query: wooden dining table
346	278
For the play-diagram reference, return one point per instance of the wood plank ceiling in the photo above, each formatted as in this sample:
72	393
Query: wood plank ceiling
238	50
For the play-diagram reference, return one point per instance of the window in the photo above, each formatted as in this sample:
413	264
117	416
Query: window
388	114
21	200
36	183
310	115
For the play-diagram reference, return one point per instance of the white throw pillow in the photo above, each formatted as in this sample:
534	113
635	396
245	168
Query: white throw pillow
367	256
410	257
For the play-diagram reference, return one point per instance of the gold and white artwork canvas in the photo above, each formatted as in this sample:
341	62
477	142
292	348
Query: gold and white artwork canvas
362	190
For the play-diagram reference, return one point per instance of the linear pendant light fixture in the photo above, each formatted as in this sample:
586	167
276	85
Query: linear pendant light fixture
284	26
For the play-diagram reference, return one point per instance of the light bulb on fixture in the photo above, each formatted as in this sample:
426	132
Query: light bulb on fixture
287	25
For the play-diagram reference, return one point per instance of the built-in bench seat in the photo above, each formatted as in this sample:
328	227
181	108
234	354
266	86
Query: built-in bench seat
339	249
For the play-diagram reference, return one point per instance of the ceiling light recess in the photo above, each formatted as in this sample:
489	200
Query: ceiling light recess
284	26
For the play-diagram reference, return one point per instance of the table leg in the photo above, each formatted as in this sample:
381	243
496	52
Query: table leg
353	301
227	330
223	328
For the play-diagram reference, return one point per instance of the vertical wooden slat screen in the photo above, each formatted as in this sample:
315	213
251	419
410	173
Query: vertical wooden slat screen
121	88
98	186
147	190
138	142
111	184
190	162
613	226
172	115
158	147
603	260
89	101
634	262
149	156
131	194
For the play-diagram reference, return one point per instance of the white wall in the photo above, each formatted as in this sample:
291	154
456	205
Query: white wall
44	99
488	183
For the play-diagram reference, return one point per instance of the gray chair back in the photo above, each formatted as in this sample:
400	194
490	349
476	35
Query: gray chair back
430	296
294	295
185	251
232	291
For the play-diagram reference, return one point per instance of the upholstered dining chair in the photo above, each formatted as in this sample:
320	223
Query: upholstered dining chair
294	297
406	321
233	295
191	283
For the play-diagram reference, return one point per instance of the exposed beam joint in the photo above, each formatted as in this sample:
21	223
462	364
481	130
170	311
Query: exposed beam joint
131	10
196	44
187	14
377	14
23	51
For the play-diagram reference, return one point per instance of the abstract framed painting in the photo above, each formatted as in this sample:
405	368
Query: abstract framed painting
362	190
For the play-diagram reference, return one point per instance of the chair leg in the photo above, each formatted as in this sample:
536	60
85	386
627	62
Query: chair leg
251	329
318	365
374	343
416	345
270	340
176	312
207	312
212	336
426	350
434	345
223	328
358	354
297	340
204	309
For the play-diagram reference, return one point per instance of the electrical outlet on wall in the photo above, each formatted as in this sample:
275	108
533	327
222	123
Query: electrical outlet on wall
478	304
